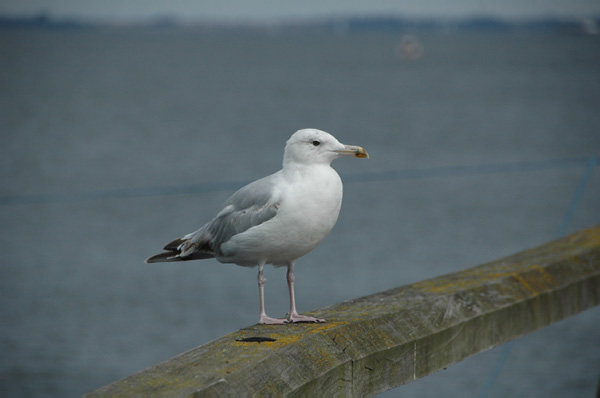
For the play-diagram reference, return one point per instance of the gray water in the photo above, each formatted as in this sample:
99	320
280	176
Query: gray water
113	143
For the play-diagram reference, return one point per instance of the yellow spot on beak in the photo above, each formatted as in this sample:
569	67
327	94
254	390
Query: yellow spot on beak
361	153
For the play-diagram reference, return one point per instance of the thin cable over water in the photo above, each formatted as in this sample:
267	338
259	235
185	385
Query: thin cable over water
378	176
562	231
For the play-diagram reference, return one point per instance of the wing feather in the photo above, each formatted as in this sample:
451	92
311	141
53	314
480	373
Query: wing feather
250	206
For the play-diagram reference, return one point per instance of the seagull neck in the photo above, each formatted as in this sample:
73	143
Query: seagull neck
292	168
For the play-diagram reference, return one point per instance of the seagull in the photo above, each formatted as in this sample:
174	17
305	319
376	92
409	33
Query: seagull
276	219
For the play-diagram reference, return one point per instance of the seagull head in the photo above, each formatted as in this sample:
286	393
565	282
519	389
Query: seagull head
312	146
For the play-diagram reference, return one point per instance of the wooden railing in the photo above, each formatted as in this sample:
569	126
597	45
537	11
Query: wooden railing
378	342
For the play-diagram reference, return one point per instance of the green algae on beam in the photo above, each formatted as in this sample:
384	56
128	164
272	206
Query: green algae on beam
374	343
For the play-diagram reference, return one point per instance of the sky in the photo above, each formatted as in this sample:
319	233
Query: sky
270	10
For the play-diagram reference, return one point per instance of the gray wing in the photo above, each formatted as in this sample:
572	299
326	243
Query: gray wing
250	206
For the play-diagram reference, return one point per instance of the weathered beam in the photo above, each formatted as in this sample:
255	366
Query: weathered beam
377	342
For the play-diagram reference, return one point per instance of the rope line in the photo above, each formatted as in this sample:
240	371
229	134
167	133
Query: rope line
478	169
208	187
562	231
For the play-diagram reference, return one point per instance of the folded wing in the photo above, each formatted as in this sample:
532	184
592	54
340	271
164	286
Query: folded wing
250	206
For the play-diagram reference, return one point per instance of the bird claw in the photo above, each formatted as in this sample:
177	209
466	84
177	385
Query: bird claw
295	318
267	320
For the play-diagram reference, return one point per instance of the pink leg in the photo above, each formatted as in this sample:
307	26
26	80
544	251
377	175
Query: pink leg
293	315
263	318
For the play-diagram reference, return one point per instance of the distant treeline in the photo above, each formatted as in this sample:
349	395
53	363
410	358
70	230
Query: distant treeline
336	25
41	21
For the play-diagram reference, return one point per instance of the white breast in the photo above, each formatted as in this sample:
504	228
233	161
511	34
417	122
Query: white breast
310	205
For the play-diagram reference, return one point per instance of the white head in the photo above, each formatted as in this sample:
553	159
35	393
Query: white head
312	146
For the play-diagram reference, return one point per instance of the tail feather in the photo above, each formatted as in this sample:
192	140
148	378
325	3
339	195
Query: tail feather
173	256
174	245
163	258
183	249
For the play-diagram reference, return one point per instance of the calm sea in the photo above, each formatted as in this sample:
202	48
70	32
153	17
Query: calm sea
115	142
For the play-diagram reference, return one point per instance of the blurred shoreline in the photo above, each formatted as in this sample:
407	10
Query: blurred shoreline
332	24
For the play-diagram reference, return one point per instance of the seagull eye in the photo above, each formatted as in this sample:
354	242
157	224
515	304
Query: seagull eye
316	143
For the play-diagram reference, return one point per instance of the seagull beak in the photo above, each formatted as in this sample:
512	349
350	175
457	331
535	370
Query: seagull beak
356	151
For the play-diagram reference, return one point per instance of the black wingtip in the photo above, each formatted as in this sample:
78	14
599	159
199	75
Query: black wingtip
163	258
173	245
